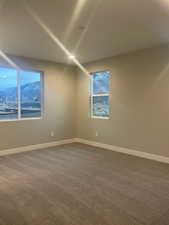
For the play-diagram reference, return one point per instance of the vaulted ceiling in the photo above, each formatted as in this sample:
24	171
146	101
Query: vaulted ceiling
90	29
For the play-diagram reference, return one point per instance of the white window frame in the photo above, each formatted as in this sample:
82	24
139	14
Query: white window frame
19	118
98	95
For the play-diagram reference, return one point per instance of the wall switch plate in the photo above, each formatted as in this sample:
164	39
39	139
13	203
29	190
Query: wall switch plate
97	134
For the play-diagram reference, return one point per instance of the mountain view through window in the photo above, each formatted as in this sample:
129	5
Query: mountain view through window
25	84
100	94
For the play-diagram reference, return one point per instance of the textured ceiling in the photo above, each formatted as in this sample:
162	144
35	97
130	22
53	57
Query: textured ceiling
91	29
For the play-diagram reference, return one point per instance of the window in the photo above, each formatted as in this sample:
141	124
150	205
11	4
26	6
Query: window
99	94
20	94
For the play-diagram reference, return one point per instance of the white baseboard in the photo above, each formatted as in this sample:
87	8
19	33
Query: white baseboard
87	142
124	150
35	147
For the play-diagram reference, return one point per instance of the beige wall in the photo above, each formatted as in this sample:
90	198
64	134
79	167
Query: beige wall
59	105
139	102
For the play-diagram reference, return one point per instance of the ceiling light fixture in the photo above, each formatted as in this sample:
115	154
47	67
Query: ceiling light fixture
71	57
38	20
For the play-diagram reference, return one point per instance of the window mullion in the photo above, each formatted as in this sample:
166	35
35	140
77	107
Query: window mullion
19	94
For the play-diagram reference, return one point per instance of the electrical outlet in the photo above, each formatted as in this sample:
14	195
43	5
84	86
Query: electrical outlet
52	134
97	134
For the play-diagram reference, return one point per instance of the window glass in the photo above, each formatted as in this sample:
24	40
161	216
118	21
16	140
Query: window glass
101	83
20	94
8	94
100	94
101	106
30	94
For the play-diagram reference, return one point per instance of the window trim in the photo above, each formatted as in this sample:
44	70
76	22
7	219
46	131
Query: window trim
22	119
91	95
19	118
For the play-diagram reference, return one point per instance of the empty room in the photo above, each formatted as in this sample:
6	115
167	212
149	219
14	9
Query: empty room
84	112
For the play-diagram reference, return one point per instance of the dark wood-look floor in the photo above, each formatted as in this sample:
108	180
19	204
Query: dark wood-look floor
81	185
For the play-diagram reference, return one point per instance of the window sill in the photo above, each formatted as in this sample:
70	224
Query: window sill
102	118
23	119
